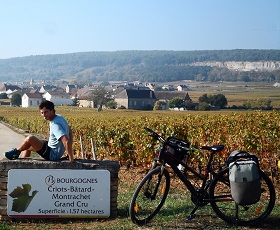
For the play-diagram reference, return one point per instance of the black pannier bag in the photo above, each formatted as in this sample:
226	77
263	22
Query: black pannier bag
244	177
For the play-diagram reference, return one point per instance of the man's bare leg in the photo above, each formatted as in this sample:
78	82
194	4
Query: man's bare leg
30	143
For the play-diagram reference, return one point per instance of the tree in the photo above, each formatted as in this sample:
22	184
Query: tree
204	98
200	77
3	96
189	105
75	102
218	100
247	105
16	100
204	106
98	96
176	102
260	103
159	105
111	104
214	100
264	104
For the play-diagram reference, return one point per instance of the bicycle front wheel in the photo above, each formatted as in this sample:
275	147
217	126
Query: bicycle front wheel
225	207
149	196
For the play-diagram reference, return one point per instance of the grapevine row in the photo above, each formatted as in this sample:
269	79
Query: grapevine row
119	135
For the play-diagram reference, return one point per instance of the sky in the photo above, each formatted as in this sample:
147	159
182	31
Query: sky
40	27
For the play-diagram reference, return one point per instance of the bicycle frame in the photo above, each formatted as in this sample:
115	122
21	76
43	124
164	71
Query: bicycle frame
169	159
198	194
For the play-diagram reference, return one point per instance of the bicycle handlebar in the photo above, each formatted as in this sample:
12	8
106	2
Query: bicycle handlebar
160	138
154	134
149	130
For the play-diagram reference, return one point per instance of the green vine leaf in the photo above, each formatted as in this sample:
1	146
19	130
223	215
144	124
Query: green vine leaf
21	197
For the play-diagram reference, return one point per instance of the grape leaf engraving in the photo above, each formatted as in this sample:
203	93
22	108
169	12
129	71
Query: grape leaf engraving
21	197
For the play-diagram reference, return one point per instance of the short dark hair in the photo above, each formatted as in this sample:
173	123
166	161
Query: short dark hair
46	104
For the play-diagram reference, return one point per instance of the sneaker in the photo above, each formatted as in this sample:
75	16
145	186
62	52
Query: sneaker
12	154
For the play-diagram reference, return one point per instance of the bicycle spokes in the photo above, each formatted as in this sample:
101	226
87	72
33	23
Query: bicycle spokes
149	196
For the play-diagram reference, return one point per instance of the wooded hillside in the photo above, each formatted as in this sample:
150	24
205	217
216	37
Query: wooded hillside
146	66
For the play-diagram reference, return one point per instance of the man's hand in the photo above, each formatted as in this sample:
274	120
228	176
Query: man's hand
68	146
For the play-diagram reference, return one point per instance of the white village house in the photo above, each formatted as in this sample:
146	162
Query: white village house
58	98
85	101
31	100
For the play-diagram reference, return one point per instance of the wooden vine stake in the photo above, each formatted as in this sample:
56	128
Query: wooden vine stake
82	148
92	149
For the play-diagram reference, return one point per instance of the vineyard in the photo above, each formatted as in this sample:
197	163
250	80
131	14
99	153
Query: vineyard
119	134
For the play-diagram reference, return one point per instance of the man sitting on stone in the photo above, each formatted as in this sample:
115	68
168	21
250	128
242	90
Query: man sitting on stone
60	139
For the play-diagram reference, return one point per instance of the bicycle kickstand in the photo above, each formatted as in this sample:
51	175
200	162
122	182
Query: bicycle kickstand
192	214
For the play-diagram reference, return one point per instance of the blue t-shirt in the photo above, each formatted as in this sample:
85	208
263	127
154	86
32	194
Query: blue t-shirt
58	128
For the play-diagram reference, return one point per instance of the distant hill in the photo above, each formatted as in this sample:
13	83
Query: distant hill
145	66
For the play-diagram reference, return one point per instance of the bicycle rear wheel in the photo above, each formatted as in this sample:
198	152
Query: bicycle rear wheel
225	207
149	196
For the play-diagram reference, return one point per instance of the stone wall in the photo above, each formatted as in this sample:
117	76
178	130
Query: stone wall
5	165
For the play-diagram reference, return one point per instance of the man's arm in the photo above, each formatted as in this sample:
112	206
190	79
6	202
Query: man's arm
68	142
